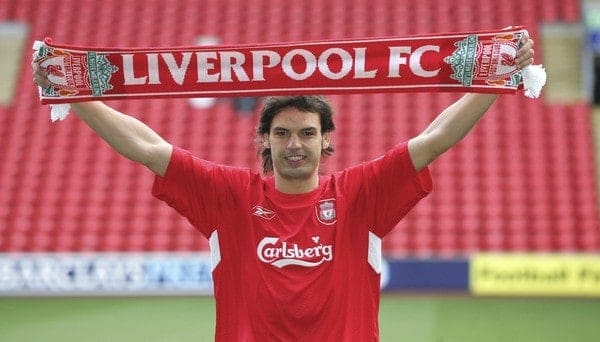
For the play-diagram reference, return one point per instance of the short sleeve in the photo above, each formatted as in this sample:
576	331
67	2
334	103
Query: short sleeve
388	188
200	190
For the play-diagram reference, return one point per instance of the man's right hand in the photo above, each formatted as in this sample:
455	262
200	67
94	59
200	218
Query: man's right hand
40	77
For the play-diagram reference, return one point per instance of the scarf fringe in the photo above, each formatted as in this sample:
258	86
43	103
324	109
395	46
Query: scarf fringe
59	112
534	78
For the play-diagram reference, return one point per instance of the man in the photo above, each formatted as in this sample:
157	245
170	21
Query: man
296	255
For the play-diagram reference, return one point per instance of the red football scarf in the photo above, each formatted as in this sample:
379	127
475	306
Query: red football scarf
462	62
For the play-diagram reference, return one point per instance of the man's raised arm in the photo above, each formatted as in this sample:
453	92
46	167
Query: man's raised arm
453	124
456	121
127	135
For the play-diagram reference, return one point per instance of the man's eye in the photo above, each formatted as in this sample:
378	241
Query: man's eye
309	133
280	133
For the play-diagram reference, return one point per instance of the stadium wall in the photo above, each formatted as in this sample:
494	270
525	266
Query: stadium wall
115	274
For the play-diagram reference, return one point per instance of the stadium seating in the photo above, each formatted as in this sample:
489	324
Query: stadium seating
522	181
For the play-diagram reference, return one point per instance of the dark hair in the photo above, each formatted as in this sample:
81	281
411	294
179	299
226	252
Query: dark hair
309	104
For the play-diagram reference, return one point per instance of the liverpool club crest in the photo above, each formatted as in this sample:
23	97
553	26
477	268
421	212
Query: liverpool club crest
326	211
491	61
72	74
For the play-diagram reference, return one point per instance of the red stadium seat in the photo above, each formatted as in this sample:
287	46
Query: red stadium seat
522	181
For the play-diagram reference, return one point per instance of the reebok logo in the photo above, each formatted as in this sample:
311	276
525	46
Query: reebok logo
280	254
263	212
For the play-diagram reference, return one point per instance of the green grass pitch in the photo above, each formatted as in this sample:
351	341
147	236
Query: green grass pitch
403	318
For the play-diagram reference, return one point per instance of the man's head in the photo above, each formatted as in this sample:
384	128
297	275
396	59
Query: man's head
294	132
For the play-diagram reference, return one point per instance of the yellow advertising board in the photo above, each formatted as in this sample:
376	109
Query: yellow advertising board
535	274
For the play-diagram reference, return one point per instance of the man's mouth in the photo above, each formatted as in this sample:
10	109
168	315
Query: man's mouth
295	158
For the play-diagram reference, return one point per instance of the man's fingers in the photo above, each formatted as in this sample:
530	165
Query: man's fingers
524	60
525	53
524	63
40	81
39	76
526	46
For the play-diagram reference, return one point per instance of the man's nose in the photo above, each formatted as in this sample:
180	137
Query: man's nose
293	142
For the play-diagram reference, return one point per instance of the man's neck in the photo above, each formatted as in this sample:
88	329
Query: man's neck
296	186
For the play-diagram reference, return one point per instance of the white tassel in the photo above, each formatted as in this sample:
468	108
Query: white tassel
59	111
534	78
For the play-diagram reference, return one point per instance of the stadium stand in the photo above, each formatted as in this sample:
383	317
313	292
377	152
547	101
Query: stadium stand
523	181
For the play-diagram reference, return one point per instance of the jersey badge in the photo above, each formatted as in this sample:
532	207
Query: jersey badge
326	211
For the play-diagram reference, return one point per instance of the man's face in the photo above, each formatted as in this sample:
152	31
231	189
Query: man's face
296	141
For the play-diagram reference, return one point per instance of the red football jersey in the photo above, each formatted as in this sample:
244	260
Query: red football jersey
295	267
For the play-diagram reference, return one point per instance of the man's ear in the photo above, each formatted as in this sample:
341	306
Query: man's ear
326	140
265	140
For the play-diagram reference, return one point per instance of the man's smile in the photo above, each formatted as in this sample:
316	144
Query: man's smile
295	158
